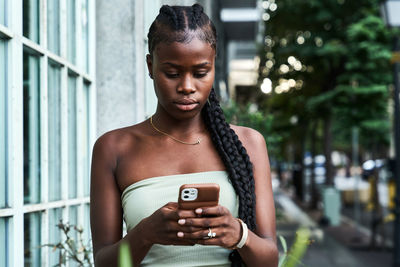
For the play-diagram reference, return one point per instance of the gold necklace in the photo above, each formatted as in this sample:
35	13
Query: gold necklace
170	136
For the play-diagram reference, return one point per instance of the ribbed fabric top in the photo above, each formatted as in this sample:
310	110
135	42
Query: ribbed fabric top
141	199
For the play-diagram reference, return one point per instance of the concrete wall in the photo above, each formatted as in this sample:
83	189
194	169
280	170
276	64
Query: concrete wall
115	64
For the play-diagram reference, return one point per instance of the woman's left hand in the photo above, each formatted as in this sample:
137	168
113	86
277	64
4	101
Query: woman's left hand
227	229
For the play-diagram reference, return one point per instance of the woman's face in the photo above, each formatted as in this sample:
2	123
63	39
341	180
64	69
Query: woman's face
183	75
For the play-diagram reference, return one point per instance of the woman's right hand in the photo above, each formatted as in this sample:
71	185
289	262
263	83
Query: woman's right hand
162	226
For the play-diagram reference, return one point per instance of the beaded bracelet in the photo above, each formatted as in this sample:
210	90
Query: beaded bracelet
245	234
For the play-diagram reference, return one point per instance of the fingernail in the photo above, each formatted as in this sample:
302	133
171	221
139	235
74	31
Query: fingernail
179	234
198	211
181	221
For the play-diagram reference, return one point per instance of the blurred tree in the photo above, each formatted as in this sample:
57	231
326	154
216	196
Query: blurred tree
328	62
249	116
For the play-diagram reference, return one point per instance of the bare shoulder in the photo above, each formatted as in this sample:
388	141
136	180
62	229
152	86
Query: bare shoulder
115	142
251	139
256	148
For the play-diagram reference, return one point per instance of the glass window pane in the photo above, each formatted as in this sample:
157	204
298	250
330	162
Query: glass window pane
71	32
3	12
72	140
3	242
31	19
86	228
85	34
53	26
3	134
84	134
73	221
31	129
54	132
32	240
55	215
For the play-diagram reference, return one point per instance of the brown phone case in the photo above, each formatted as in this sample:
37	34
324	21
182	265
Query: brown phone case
207	196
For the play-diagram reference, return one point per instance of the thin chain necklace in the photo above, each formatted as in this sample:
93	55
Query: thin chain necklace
170	136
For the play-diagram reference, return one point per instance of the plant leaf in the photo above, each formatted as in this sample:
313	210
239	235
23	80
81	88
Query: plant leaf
125	256
283	243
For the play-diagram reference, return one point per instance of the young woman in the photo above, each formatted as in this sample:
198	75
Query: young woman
137	171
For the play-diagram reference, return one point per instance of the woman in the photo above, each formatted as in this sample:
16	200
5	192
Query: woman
137	170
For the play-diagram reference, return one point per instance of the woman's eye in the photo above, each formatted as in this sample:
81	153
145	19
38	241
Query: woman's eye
172	75
200	74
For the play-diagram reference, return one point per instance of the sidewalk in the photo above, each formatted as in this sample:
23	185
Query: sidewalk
329	246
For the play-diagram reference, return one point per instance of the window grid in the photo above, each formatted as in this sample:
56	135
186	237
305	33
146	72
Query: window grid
3	13
31	128
13	215
3	241
3	122
31	25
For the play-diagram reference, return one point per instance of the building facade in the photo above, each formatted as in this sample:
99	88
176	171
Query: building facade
47	96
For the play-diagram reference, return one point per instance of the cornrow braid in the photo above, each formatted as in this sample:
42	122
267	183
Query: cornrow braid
170	14
181	24
197	10
236	160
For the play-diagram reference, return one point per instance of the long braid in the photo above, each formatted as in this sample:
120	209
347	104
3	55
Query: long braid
173	25
234	156
236	160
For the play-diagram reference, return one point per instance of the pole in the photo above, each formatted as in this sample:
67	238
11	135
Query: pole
356	178
396	70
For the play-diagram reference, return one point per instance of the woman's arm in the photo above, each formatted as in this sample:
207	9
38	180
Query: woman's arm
106	213
260	249
106	209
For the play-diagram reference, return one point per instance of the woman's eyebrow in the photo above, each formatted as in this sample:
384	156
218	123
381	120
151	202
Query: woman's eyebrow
178	66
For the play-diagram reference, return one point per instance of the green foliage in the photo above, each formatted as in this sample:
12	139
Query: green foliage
257	120
125	255
70	249
283	257
344	50
296	253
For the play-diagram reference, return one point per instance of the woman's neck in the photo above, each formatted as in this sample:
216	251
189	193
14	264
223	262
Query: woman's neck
186	128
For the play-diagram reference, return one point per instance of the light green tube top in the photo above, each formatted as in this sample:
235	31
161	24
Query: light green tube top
141	199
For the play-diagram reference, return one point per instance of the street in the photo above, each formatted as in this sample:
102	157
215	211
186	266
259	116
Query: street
348	244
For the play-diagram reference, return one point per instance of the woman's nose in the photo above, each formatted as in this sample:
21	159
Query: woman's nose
186	85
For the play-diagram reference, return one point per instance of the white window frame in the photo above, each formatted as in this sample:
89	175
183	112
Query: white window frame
16	41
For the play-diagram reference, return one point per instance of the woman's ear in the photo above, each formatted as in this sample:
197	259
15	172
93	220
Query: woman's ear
149	62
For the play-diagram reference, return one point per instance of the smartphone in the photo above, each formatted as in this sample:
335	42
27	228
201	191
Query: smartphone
193	196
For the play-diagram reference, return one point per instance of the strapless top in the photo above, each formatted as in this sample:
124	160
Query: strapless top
143	198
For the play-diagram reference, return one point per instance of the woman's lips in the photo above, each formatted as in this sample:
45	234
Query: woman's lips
186	104
186	107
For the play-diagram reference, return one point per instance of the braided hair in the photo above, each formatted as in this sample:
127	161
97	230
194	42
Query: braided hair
182	24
